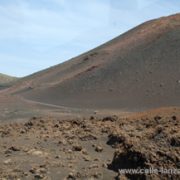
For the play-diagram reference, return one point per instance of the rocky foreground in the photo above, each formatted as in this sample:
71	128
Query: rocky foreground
91	148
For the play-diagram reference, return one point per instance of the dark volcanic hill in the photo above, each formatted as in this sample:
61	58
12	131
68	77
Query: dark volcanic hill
139	69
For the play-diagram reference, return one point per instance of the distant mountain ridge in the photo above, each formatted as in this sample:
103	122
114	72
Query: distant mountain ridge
6	80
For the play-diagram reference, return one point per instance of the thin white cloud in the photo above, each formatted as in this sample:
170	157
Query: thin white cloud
145	3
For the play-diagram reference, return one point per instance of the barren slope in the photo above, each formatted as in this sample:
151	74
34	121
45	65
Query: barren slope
137	70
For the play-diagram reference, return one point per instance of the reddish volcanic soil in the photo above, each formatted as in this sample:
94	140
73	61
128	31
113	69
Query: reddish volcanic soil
91	148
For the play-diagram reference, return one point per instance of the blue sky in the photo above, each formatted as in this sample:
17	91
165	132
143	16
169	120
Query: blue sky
36	34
